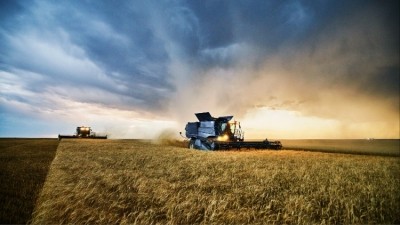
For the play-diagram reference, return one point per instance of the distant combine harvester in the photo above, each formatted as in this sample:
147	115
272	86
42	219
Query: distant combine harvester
83	132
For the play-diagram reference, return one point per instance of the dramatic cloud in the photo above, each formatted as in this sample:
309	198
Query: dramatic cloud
287	69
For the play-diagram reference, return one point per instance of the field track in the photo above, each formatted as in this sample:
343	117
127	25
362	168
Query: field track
136	182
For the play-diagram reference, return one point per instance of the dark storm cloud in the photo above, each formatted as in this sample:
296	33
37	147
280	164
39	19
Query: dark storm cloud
265	25
118	36
88	45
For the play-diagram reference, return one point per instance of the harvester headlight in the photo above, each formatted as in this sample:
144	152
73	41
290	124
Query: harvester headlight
223	138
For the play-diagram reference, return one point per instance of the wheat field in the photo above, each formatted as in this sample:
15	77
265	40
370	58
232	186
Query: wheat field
138	182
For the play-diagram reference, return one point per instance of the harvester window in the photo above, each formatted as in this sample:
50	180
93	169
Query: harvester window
223	127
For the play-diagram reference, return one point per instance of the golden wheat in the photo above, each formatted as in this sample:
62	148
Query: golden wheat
127	181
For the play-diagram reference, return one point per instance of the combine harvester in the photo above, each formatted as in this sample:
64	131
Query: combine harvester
221	133
83	132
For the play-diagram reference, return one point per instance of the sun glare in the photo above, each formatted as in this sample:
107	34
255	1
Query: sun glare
265	123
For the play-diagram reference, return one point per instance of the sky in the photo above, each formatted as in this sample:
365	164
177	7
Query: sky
140	69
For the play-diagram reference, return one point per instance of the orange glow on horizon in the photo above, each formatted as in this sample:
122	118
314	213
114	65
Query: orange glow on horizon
261	123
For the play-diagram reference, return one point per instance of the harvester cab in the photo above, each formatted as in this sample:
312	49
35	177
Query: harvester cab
212	133
83	131
233	131
222	128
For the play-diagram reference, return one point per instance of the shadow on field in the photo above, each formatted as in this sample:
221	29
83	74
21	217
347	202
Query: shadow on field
24	164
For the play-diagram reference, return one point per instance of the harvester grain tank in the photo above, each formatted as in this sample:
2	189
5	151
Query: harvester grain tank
83	132
219	133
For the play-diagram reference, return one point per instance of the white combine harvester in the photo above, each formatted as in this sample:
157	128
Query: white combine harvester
221	133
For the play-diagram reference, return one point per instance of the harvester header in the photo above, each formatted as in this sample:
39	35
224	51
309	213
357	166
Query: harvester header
215	133
83	132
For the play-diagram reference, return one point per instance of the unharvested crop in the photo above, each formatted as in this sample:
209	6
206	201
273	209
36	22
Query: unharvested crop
136	182
383	147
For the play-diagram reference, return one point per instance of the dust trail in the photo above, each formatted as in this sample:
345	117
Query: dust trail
170	137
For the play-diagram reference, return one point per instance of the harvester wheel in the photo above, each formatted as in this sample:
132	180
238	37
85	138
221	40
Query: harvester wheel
191	144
